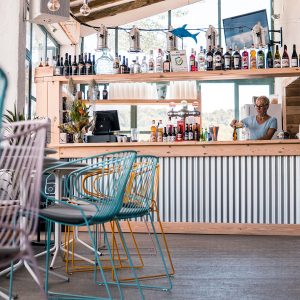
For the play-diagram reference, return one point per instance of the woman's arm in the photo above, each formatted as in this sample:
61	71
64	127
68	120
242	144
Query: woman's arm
268	135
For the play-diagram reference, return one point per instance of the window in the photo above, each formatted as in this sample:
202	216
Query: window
39	45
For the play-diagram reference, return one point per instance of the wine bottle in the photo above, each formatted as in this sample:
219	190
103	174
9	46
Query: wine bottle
93	65
88	65
294	61
252	57
123	66
105	93
269	59
167	64
227	60
80	65
209	60
70	65
66	65
237	59
260	58
74	67
285	61
57	66
245	59
277	58
61	66
218	59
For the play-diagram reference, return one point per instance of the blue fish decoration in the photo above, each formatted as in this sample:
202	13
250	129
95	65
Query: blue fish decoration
182	32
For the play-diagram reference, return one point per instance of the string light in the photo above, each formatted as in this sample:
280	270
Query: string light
53	5
85	9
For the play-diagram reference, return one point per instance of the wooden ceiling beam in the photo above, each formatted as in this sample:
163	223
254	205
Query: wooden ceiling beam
96	4
117	9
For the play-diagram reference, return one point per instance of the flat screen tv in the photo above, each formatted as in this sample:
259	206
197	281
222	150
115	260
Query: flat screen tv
105	122
238	30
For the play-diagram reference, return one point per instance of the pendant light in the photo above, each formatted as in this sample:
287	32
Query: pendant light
53	5
85	9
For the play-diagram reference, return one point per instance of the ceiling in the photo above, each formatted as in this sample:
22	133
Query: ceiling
119	12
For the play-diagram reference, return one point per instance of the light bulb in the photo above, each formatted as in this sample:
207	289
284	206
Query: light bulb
84	9
53	5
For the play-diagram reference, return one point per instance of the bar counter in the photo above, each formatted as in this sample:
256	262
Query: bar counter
186	149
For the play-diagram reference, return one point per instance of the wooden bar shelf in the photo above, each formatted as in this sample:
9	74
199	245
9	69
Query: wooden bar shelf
139	101
176	76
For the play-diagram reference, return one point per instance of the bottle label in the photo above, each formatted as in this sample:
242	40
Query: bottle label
260	62
245	63
191	136
151	67
236	62
209	58
270	62
277	63
294	62
218	61
178	137
227	62
253	62
165	139
285	62
57	71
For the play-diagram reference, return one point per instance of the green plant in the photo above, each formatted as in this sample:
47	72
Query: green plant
13	116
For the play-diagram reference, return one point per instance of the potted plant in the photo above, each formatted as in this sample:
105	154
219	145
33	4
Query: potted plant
79	121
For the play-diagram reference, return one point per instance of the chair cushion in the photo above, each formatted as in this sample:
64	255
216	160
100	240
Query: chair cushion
67	214
8	253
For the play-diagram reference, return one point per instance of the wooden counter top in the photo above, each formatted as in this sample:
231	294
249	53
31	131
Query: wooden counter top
185	149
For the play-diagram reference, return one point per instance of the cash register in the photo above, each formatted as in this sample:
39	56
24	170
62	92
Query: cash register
105	124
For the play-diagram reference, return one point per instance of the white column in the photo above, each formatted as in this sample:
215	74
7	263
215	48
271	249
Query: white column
13	51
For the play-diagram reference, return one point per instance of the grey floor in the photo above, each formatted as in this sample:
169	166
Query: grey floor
207	267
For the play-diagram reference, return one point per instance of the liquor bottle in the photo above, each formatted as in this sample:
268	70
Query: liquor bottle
159	61
192	61
237	59
277	58
223	59
179	136
201	59
294	60
127	67
245	59
105	93
191	133
260	58
165	135
41	63
218	59
209	60
170	134
123	66
61	66
234	135
227	60
285	60
116	65
136	66
70	65
88	66
196	133
160	131
93	66
269	59
206	134
81	65
167	64
66	65
186	133
74	67
151	63
174	135
47	62
153	132
144	65
252	57
57	66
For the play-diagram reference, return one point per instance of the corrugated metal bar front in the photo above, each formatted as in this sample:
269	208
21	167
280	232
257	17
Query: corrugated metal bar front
250	189
260	190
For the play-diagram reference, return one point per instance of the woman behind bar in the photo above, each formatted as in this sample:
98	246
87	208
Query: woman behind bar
262	126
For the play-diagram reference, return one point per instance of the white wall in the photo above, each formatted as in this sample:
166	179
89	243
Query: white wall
13	50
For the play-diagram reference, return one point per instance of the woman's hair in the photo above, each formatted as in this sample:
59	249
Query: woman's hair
264	99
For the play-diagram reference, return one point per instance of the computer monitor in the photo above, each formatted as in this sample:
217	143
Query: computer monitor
106	122
239	31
